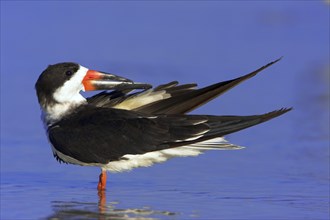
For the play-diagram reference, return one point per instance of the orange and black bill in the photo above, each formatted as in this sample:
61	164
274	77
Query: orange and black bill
95	80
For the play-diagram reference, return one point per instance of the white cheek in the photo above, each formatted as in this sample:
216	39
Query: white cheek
69	92
67	97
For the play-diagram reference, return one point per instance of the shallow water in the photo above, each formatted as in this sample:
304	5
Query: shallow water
282	174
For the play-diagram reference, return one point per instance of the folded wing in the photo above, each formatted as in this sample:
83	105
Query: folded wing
102	135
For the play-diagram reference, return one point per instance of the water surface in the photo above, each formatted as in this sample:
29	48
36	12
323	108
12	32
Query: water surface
282	174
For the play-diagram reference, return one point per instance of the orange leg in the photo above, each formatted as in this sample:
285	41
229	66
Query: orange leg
102	180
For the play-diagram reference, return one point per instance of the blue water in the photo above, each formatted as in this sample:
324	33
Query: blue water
282	174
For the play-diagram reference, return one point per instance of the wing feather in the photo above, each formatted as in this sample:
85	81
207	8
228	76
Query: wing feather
176	99
183	102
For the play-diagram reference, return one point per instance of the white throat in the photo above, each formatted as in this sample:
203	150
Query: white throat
67	97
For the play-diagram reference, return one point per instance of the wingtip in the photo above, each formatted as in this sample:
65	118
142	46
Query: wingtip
276	113
249	75
284	110
278	59
271	63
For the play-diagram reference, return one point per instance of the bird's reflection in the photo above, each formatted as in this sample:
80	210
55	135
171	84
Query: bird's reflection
102	202
102	210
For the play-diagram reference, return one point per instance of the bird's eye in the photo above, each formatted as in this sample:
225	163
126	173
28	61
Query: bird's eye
68	73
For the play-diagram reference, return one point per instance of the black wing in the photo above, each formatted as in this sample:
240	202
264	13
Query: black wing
101	135
184	98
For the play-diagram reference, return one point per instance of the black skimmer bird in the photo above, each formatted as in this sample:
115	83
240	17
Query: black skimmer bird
134	125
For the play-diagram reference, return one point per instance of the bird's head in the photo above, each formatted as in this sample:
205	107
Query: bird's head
59	85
